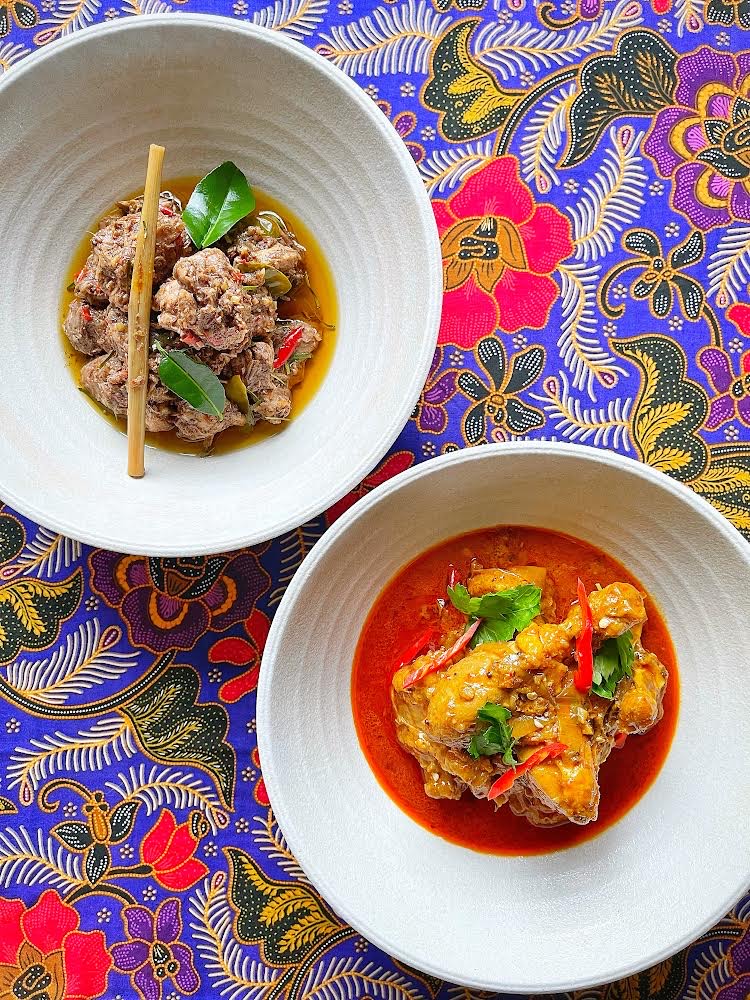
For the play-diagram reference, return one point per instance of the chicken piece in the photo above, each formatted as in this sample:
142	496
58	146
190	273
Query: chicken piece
108	271
206	303
250	245
446	771
639	698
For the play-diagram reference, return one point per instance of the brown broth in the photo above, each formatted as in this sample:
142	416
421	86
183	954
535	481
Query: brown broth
302	301
391	625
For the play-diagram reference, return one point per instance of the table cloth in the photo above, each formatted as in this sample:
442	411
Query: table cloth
589	166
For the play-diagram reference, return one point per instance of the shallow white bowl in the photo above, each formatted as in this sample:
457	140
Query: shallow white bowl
209	89
607	908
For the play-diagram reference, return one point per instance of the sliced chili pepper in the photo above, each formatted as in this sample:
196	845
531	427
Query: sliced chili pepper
166	211
288	346
619	740
505	781
446	657
86	313
584	675
454	576
78	276
412	651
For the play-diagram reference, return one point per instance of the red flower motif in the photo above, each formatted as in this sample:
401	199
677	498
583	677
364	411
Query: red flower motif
242	653
169	849
392	465
739	314
43	954
499	250
261	795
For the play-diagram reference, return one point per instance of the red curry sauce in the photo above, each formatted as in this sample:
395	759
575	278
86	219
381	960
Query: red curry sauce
404	608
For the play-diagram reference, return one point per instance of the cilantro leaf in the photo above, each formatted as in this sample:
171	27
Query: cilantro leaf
503	613
495	738
613	661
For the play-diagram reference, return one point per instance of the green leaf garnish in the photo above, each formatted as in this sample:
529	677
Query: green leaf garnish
495	738
613	661
503	613
220	200
193	382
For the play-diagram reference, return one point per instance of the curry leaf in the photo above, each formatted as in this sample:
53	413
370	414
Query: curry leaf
495	738
613	661
222	198
191	381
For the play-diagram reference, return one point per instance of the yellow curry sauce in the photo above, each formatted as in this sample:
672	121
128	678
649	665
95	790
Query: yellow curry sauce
321	314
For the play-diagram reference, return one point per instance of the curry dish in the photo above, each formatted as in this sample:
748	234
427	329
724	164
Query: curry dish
240	315
517	678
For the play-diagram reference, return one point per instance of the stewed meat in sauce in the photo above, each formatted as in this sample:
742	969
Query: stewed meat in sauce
219	305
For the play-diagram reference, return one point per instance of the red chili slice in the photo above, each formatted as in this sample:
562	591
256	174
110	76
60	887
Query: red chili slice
412	651
288	347
505	781
584	675
446	657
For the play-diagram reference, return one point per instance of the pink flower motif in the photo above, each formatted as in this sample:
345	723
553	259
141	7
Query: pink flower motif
499	251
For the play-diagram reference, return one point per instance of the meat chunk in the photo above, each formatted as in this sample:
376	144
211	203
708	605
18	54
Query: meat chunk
105	379
251	246
192	425
206	304
308	343
92	330
268	389
108	270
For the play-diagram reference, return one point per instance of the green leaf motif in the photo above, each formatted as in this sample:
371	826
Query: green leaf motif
32	611
74	835
219	200
121	821
287	919
725	483
669	410
637	78
467	97
7	807
12	537
97	863
174	729
191	381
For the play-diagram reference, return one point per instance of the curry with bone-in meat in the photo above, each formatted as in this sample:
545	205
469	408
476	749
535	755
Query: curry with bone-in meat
521	666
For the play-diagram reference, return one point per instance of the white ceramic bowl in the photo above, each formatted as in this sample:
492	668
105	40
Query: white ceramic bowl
607	908
76	122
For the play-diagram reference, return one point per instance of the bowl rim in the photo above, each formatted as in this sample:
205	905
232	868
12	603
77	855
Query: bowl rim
274	779
430	307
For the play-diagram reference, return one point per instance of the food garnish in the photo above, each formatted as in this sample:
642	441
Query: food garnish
139	313
430	667
412	651
505	781
613	661
222	198
191	381
501	614
584	674
288	346
496	738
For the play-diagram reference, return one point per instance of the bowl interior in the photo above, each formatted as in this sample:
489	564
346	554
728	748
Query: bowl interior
208	90
614	904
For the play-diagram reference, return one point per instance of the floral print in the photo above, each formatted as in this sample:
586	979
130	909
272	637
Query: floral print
44	955
499	251
170	603
701	141
590	189
152	955
169	849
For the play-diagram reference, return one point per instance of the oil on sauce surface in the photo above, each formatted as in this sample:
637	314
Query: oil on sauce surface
303	302
624	777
